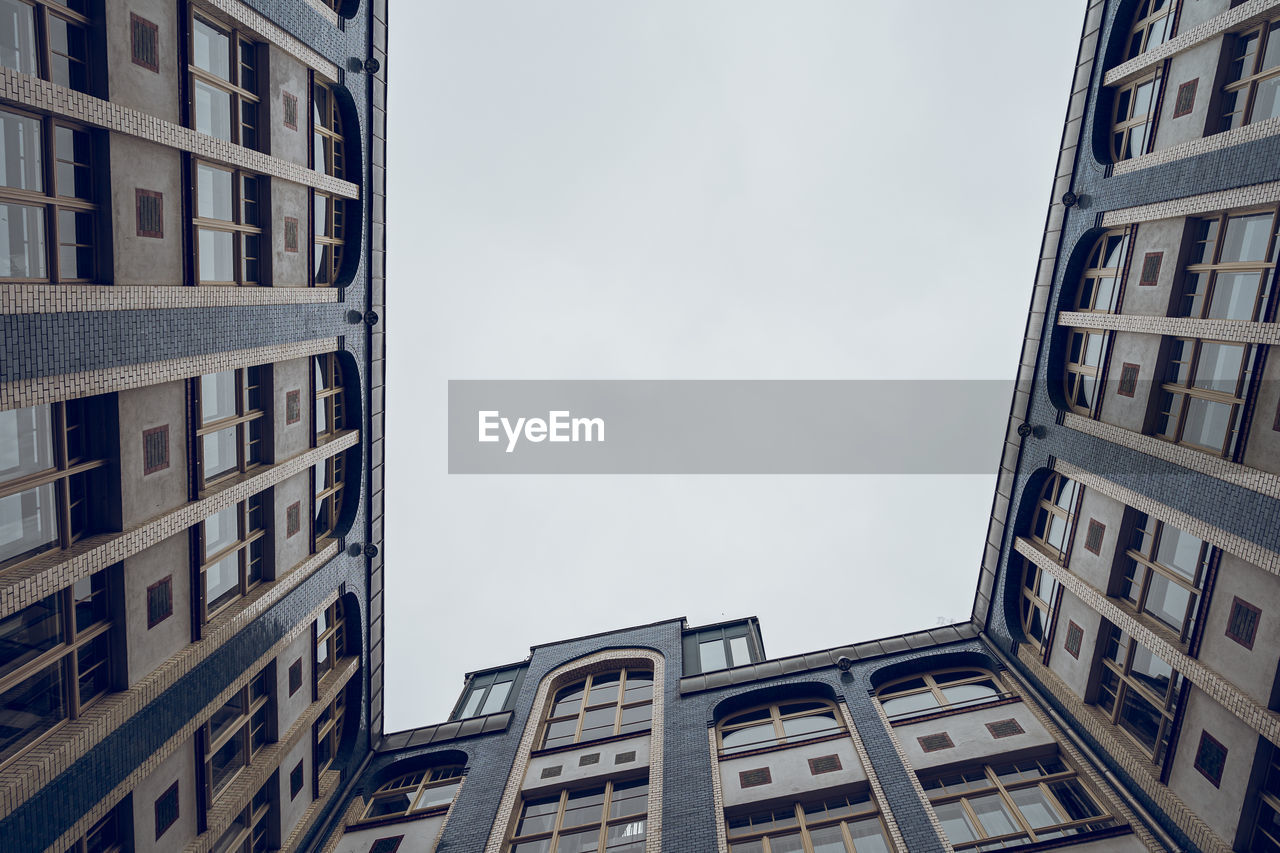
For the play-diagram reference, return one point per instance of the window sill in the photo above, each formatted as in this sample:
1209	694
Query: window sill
952	712
779	747
570	747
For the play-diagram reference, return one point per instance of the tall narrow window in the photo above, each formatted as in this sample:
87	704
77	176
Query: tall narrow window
330	411
1230	270
328	477
1164	570
228	225
605	704
1054	520
47	39
592	820
1083	369
1202	398
1100	284
237	732
108	835
1152	26
253	828
1266	828
54	662
1252	90
224	83
331	638
232	545
229	438
328	731
328	152
1036	604
329	235
1132	117
1139	691
48	216
53	476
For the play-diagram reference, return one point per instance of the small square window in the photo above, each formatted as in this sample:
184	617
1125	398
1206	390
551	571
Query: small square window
295	676
1128	380
1075	636
1150	269
290	110
1093	538
293	519
1186	98
166	810
1242	624
155	449
295	781
292	407
1211	758
144	42
159	601
150	209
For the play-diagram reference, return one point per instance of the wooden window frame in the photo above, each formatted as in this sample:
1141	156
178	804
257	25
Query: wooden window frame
327	389
1037	600
253	726
250	550
64	656
748	718
935	684
584	705
105	836
1152	26
328	237
71	475
328	731
1178	389
1082	370
244	232
328	139
42	11
252	829
242	58
1205	265
249	422
1268	801
413	786
330	632
1116	683
982	781
1126	122
1060	500
605	820
327	478
847	813
52	202
1141	568
1106	262
1243	74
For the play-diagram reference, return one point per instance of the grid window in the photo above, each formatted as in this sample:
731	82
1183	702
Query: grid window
777	724
719	648
610	818
47	39
252	829
329	731
55	660
232	548
1252	90
995	806
1138	691
224	83
329	234
331	638
328	147
1055	516
229	438
48	214
1202	398
938	691
424	791
1100	284
106	836
54	476
1232	262
1132	117
237	732
1083	369
1152	26
602	705
489	693
228	225
328	477
847	824
330	408
1164	571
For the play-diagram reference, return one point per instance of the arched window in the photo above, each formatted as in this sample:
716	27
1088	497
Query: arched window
1164	570
837	825
1203	395
601	705
1082	372
1036	603
424	791
1152	26
1100	284
937	691
1231	265
1132	116
779	723
328	143
1055	515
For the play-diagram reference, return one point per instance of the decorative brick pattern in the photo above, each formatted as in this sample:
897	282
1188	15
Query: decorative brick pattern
150	209
47	97
1150	269
1252	714
291	234
1214	202
1204	145
155	449
1075	636
144	43
824	764
1211	758
895	832
1005	728
755	778
1242	623
268	30
935	742
290	104
34	580
1093	538
1239	331
1214	466
72	298
66	386
1186	101
159	601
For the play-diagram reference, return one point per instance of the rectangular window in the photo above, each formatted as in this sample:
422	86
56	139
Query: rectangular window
47	39
836	824
166	810
237	732
231	546
327	477
256	827
1252	91
330	410
224	82
327	147
331	639
1139	692
295	676
718	648
328	732
109	835
229	436
295	781
489	693
1164	572
228	225
609	817
1201	400
1231	266
329	230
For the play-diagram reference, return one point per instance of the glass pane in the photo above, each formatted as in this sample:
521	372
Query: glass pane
625	837
542	845
222	581
813	725
538	816
1074	799
639	687
629	798
22	241
955	823
30	632
599	723
751	737
1179	551
26	442
497	697
75	244
217	255
636	718
214	188
560	731
217	396
31	708
786	844
869	837
711	654
583	807
226	761
221	530
17	36
1207	424
213	110
1246	238
219	453
210	49
1234	296
910	704
604	688
993	814
1219	367
21	155
739	651
829	839
1035	807
1150	670
586	841
438	796
970	693
89	597
28	522
1140	718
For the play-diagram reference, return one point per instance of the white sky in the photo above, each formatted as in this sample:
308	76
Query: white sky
689	189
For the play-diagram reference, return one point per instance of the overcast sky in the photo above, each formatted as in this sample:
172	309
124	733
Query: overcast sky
734	189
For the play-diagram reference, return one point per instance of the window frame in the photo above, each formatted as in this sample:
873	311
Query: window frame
328	237
778	719
1083	377
1171	406
606	821
1003	791
244	233
41	11
936	689
108	835
329	632
1110	246
1213	268
1125	99
249	548
239	42
1140	569
480	688
1246	81
619	703
1039	593
1146	20
328	730
249	421
328	139
805	824
328	391
256	696
1049	507
328	480
725	635
414	786
1111	697
256	827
